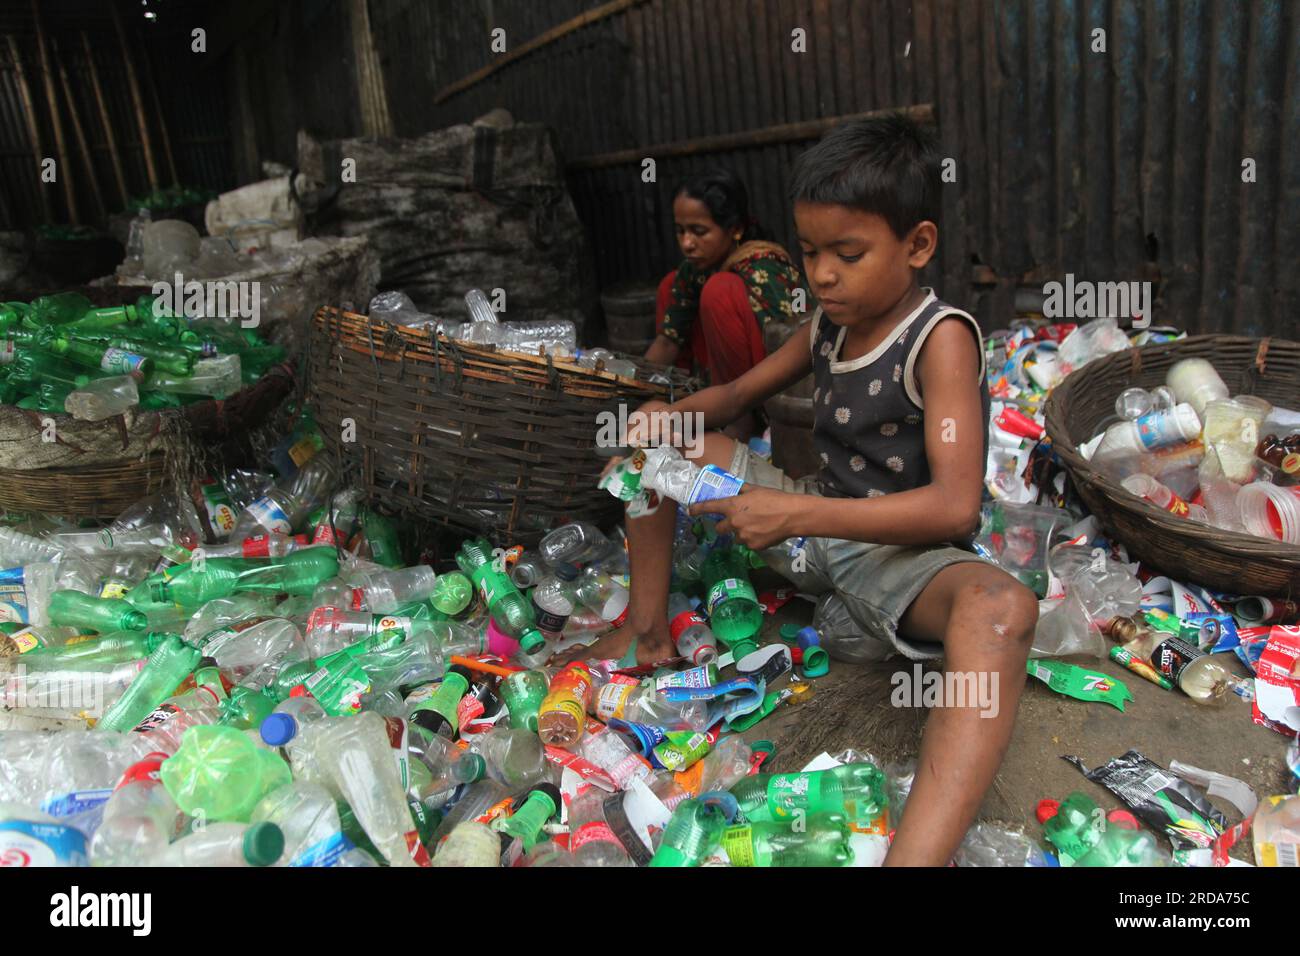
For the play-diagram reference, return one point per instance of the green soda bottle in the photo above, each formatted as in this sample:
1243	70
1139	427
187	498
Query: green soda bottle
523	693
193	585
70	608
511	611
59	309
823	841
167	358
1120	847
694	832
39	367
435	707
171	662
382	537
220	774
101	358
103	319
106	649
246	708
539	805
1076	828
732	605
856	790
452	593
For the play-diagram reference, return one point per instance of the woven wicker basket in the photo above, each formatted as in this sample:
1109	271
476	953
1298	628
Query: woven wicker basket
1185	550
463	436
103	467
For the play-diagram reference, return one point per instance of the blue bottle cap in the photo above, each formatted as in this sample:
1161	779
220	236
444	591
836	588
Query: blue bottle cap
279	729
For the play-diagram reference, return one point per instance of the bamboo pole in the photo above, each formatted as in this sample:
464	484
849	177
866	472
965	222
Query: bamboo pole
376	119
80	132
60	144
133	81
110	135
164	132
33	127
766	136
536	43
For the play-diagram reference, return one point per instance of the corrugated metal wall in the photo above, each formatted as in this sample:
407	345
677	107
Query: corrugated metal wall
193	102
1125	164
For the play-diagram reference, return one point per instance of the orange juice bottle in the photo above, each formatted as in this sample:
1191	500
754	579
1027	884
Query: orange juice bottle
563	713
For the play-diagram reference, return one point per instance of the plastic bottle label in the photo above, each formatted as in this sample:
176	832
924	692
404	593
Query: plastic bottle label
681	750
25	640
121	362
712	483
7	352
270	515
694	677
13	596
738	843
1172	656
613	698
113	590
76	801
25	843
729	589
388	622
325	852
547	621
1157	429
682	621
788	793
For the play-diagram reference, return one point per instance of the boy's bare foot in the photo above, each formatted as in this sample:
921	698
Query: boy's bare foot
653	643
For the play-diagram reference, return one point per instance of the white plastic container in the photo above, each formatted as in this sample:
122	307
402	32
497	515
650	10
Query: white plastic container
1159	429
1270	511
1196	382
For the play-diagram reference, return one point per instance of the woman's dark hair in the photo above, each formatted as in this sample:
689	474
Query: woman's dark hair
727	199
889	166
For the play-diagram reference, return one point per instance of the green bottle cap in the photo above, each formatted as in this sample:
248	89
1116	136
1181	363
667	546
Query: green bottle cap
263	844
531	640
816	662
474	768
789	633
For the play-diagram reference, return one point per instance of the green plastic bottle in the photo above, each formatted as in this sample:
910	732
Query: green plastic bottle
382	537
511	612
100	320
822	841
1120	847
856	790
165	357
694	832
102	358
539	805
192	585
246	708
59	309
452	593
523	693
68	608
734	613
1076	828
219	773
94	651
38	367
171	662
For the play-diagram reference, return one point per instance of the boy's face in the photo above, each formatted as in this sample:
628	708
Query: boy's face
703	242
856	267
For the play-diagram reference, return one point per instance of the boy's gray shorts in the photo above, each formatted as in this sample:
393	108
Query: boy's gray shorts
877	583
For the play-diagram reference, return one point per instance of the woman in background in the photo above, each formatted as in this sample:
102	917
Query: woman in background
711	309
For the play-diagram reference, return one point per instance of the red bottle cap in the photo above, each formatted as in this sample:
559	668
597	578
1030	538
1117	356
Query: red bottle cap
1046	809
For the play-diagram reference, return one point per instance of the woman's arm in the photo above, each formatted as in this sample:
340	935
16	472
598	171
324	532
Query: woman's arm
662	351
946	509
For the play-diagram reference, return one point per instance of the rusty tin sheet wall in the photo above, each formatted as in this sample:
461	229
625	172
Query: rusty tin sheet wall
1118	165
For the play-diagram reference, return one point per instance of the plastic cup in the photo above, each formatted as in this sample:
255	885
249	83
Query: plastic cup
1270	511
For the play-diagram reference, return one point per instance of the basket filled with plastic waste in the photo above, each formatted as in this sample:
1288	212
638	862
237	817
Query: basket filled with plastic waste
482	427
1189	454
100	405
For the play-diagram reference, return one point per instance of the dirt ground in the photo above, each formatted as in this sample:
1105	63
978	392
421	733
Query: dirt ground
850	707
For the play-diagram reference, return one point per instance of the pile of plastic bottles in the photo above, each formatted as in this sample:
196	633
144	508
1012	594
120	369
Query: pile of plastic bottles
62	354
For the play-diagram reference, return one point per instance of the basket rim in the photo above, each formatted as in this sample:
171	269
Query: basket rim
1081	471
490	353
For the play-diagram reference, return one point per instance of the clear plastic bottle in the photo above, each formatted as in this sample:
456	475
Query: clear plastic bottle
1147	488
217	377
690	631
284	508
309	819
513	756
253	655
553	599
591	841
438	766
357	753
102	398
578	542
225	844
641	703
140	820
528	570
18	549
68	693
602	594
165	727
385	591
610	752
271	545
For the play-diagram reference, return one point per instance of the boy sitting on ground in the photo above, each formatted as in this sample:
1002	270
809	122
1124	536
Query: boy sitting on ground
901	425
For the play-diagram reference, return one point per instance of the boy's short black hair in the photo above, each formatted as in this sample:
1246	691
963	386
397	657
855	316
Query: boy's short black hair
889	166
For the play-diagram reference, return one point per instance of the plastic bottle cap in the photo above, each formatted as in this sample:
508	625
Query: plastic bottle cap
566	571
789	633
551	793
816	662
531	640
278	729
263	844
475	767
